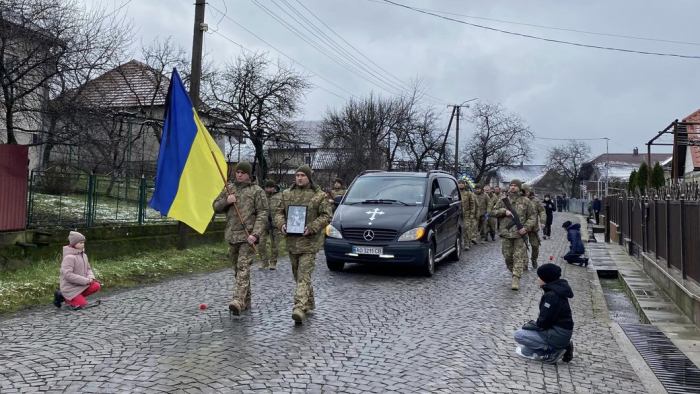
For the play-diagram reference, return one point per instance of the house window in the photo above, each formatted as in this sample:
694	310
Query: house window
307	160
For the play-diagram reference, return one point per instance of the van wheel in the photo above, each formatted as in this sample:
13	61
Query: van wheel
429	266
455	256
335	265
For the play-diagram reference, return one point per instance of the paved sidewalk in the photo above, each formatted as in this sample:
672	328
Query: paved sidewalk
376	329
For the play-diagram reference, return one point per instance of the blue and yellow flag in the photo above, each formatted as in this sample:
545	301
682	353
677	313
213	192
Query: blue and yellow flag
190	164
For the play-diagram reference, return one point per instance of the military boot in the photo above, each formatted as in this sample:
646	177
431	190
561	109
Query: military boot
515	283
525	268
273	265
235	307
263	265
298	315
493	237
534	264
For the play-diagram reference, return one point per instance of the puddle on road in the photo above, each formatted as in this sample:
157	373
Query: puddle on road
622	310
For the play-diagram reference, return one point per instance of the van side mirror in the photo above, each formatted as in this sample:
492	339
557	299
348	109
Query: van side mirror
337	200
441	204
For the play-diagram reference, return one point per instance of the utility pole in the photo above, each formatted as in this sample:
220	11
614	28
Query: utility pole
458	110
195	81
444	142
607	166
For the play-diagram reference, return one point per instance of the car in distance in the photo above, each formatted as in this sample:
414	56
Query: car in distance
411	218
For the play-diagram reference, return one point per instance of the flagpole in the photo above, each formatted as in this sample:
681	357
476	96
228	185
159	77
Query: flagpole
235	205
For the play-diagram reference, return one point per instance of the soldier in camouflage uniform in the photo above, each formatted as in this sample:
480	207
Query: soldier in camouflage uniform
540	221
274	199
490	222
303	248
481	212
514	247
338	189
252	204
497	195
468	212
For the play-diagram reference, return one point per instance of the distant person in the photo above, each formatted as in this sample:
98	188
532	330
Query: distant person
565	203
548	209
596	209
560	206
576	248
77	280
549	337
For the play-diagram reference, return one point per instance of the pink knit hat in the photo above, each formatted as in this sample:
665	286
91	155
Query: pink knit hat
74	237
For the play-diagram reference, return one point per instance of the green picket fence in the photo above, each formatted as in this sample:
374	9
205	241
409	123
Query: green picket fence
78	199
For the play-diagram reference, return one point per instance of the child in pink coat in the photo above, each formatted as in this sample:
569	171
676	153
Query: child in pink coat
77	280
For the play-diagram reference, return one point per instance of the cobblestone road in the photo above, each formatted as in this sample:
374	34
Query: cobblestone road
376	329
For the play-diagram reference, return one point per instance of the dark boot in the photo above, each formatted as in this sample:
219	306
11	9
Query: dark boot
569	355
58	299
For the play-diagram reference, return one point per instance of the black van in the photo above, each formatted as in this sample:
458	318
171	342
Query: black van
397	217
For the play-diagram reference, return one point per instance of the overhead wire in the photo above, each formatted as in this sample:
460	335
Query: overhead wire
325	52
362	54
625	50
552	27
316	75
281	53
332	44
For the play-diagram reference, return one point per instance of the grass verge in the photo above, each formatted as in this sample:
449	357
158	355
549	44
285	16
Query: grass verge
35	285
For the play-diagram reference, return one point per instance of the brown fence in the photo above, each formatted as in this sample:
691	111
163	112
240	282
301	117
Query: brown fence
667	229
13	187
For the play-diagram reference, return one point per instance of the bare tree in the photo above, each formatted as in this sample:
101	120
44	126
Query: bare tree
567	161
259	102
424	140
501	139
49	47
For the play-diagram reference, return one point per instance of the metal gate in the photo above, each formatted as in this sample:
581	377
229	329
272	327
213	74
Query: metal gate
14	166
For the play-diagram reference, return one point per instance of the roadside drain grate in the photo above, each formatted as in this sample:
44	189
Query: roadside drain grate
673	369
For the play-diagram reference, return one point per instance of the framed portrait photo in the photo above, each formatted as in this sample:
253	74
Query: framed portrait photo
296	219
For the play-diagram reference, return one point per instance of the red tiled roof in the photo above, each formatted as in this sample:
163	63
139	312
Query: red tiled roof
129	85
694	150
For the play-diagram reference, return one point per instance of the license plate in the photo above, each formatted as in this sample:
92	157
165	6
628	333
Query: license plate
367	250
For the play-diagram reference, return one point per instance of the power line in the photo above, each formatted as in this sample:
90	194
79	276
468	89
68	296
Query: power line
281	53
542	38
316	46
248	50
362	54
571	139
552	27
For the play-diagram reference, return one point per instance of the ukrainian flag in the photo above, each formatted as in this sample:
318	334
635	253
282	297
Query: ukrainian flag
190	165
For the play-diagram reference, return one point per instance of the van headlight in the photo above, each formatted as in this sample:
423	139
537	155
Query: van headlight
333	232
413	234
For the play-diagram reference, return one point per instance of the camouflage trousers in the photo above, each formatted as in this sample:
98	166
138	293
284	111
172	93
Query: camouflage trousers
491	226
269	254
481	228
515	253
535	247
466	233
303	266
241	257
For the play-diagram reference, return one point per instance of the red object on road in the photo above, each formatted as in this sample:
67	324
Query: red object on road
551	257
203	306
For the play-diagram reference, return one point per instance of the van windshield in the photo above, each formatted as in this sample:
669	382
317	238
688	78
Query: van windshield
406	190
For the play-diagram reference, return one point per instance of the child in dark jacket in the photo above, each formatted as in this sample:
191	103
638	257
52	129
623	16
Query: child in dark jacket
549	337
576	248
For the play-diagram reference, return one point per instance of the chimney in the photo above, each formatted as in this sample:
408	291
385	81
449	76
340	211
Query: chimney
635	151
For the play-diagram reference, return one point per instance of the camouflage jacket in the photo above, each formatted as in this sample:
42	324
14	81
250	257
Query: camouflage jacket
539	211
252	204
495	198
468	204
318	216
523	206
339	191
482	207
274	200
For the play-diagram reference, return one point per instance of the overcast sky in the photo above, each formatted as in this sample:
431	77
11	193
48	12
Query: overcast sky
561	91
